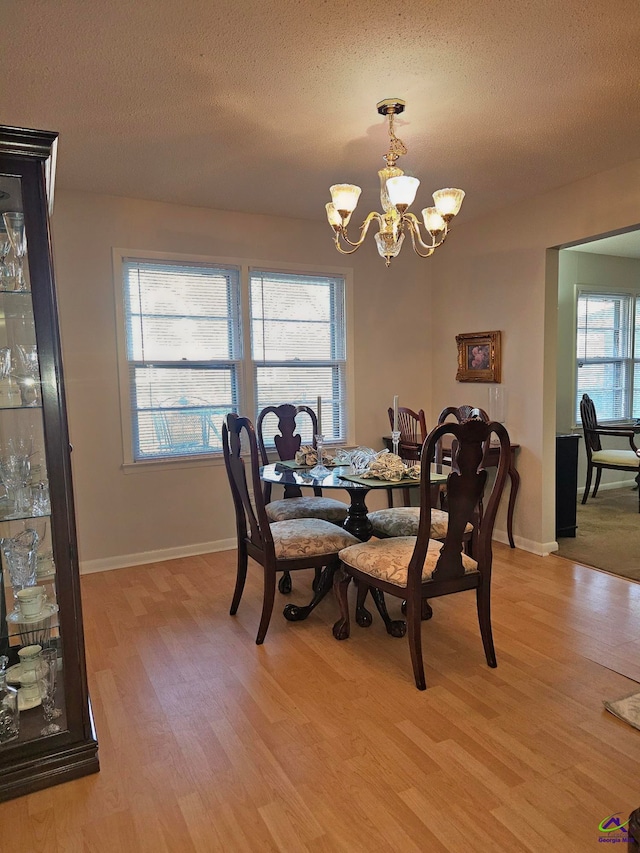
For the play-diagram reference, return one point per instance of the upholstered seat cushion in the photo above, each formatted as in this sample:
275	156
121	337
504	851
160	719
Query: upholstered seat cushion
616	457
388	559
308	537
310	507
403	521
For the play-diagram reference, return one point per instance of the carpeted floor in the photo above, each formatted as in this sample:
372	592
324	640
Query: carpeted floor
608	535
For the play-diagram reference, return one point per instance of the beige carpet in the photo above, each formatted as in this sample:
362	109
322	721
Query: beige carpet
608	535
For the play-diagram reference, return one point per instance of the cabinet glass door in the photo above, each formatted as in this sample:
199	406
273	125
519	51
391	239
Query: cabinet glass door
30	639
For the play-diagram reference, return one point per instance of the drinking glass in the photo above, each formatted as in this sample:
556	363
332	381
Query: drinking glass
15	472
21	555
14	223
47	684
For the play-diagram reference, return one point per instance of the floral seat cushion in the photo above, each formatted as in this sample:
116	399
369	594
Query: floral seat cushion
403	521
310	507
308	537
388	559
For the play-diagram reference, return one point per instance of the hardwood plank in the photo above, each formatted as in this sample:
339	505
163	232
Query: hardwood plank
208	742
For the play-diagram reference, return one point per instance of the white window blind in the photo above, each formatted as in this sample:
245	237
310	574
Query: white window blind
604	354
298	345
184	347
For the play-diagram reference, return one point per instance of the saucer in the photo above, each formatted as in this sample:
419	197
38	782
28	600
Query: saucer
14	673
19	619
25	704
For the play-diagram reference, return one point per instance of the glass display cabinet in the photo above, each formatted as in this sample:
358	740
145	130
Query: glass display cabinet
46	729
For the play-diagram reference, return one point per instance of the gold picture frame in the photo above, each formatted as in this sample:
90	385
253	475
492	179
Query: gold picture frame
479	358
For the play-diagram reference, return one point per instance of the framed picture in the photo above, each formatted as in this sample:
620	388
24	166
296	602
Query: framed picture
479	357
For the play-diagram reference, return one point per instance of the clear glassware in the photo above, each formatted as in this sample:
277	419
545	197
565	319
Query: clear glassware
9	712
395	440
27	374
15	473
21	558
319	470
14	223
7	272
47	684
41	500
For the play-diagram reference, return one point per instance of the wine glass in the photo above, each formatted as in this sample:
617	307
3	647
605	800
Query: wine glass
14	223
47	685
28	374
6	268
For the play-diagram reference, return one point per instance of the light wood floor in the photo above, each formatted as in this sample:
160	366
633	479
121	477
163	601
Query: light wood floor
209	743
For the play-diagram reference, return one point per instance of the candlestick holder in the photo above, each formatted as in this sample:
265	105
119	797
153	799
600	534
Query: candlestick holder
395	441
319	470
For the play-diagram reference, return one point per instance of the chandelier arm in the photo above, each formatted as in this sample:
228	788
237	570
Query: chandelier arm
416	239
363	232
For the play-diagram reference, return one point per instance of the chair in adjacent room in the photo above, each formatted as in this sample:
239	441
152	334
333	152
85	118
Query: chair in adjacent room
599	459
418	567
413	431
278	546
287	442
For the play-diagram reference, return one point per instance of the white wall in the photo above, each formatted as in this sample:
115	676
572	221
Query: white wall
493	274
617	275
124	518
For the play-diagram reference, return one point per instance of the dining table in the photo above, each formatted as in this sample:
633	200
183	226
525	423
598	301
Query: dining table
290	473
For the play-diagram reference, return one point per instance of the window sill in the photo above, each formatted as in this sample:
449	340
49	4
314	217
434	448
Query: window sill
178	462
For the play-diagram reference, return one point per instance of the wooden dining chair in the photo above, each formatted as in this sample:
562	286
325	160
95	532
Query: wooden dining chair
413	431
415	568
599	459
283	422
280	546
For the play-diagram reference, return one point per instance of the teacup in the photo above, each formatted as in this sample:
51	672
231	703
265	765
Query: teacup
30	601
30	663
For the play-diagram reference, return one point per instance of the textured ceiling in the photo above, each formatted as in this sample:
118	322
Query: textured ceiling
259	106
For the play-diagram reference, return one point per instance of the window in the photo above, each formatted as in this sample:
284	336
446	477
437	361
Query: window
183	347
607	353
298	344
199	340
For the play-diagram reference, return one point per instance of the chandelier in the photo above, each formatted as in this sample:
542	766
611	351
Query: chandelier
397	192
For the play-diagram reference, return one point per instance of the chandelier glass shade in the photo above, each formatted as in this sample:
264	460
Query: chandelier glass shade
397	193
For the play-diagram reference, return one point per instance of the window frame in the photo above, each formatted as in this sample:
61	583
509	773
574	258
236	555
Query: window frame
245	365
631	360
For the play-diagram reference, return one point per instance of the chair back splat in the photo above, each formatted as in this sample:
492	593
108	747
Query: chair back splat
419	568
252	524
282	422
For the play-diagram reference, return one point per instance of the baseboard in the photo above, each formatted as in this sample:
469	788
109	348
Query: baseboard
122	561
541	549
607	487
